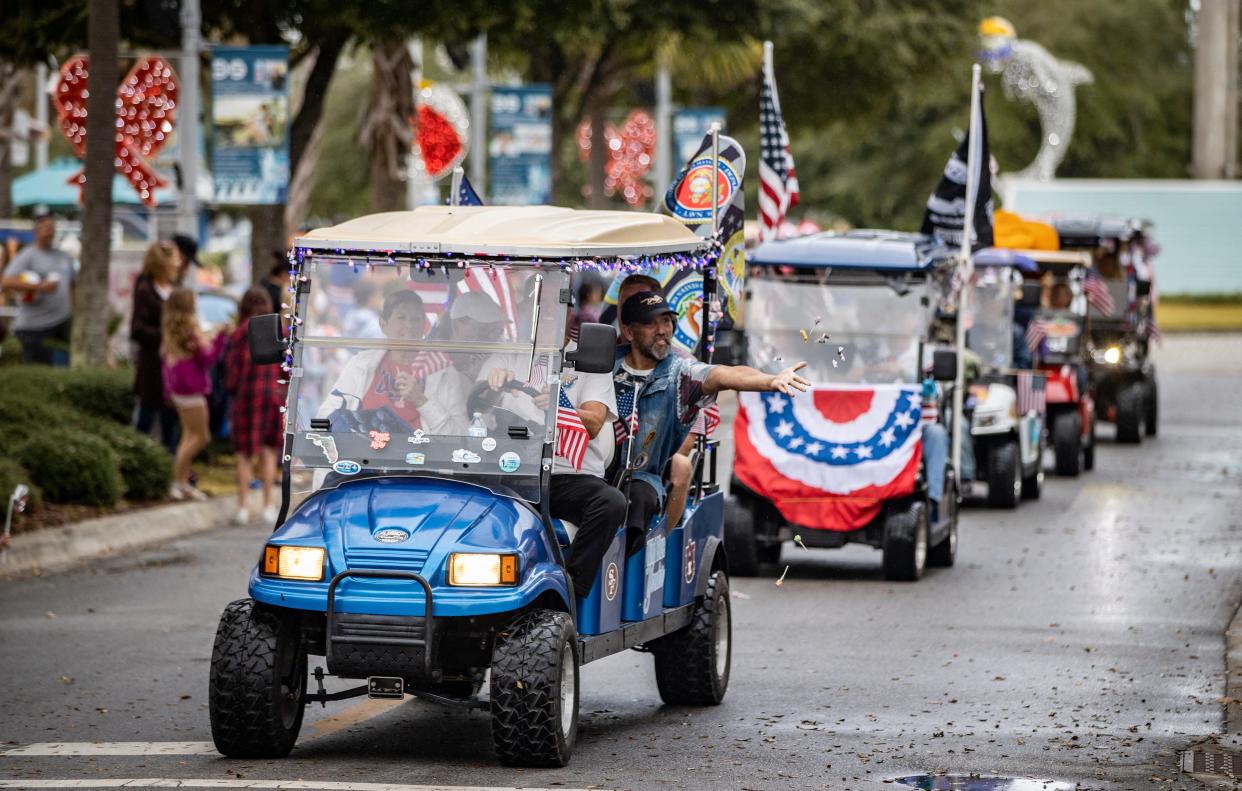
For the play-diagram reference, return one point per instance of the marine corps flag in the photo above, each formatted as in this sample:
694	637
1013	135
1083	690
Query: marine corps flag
946	207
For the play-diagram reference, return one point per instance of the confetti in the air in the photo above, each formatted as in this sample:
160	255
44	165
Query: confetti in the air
781	581
806	338
834	363
823	338
798	541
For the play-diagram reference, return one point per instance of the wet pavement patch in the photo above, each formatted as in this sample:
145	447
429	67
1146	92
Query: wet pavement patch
981	783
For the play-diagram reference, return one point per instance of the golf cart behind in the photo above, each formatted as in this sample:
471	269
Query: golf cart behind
1058	333
1122	376
1005	409
848	461
414	550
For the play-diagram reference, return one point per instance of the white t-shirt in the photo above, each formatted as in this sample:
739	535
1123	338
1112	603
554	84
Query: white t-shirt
580	388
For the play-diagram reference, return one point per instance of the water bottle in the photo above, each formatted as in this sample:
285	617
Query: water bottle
477	427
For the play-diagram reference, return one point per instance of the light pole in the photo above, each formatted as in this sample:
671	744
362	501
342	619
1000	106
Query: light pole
187	133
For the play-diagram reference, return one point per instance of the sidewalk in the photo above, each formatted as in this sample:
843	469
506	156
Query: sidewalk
59	548
1218	761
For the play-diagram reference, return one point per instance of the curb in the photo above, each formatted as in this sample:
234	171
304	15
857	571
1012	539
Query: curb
1233	674
61	548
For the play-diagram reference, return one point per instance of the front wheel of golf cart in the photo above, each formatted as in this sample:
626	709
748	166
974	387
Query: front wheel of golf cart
905	543
741	539
1067	443
1130	413
534	690
692	665
258	682
1005	474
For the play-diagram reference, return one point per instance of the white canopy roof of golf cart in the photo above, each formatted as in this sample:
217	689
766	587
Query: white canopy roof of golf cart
521	231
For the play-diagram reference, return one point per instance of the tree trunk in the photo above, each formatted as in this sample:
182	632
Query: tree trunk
90	326
385	131
10	93
599	154
268	238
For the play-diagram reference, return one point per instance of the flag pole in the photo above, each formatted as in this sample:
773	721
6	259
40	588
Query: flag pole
455	189
965	264
715	132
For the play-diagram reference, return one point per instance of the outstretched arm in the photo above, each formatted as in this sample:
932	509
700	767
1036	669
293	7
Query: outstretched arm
746	379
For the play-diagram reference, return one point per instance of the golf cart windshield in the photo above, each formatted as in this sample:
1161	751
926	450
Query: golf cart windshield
392	368
991	308
846	333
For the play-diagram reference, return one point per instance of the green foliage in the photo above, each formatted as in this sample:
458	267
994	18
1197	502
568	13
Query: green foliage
72	467
11	474
10	351
146	467
102	392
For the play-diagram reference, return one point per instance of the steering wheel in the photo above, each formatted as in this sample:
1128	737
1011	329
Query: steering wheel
484	399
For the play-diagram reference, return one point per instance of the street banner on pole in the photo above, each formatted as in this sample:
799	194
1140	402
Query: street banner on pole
520	145
250	121
689	126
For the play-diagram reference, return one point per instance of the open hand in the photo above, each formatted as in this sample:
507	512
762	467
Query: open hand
788	381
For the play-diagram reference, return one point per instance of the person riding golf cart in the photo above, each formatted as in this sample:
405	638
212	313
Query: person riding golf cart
1006	409
863	457
1122	376
415	549
1057	334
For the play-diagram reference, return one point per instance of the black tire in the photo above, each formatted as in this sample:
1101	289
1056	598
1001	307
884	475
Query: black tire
1067	443
1005	474
1151	419
1033	484
740	539
1088	451
944	554
905	542
692	664
257	693
1130	413
531	662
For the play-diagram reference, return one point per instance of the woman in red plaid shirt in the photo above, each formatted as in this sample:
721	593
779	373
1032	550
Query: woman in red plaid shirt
255	420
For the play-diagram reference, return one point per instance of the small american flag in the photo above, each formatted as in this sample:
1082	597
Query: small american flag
1097	293
706	421
1036	331
627	424
1031	393
778	180
572	437
930	411
428	363
466	196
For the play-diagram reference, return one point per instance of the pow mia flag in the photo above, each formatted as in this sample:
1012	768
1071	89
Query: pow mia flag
946	207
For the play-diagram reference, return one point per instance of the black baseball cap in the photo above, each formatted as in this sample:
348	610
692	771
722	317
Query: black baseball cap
644	307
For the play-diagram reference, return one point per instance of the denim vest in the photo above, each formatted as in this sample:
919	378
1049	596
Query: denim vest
668	400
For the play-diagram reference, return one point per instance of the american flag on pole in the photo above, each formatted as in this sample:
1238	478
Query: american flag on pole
466	196
1031	396
707	420
428	363
626	425
1097	293
778	181
1036	331
572	437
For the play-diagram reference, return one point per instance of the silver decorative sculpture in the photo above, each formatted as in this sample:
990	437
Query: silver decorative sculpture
1031	73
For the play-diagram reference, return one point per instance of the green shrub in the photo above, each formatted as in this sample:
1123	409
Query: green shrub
10	351
145	466
102	392
72	467
22	415
11	474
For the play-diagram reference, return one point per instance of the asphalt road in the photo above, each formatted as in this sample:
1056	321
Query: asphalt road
1079	639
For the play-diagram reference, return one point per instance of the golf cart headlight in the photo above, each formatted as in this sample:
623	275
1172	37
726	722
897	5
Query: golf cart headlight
294	563
482	569
1112	355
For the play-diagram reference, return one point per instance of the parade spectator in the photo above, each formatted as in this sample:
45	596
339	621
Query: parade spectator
590	303
187	360
277	282
42	277
152	289
254	412
187	259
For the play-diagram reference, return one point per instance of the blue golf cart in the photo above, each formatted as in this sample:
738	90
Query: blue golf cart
414	550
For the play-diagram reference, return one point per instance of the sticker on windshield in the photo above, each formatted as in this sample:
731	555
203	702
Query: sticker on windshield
379	440
325	443
489	444
347	467
464	456
510	461
418	438
415	458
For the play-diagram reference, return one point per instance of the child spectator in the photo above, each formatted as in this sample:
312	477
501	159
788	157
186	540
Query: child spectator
187	361
254	412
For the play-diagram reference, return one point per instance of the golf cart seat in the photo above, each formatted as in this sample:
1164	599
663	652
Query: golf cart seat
565	531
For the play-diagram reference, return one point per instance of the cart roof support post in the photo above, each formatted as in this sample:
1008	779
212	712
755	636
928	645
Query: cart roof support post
965	265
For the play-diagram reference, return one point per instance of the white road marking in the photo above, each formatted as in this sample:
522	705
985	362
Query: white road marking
299	785
114	748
